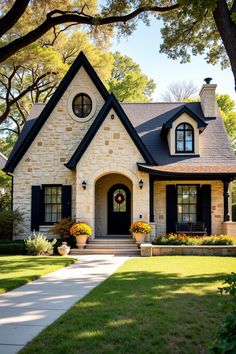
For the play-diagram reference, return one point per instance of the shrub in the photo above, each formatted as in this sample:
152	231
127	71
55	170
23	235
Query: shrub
182	239
226	336
10	222
174	239
38	244
234	212
217	240
62	228
80	228
141	227
12	247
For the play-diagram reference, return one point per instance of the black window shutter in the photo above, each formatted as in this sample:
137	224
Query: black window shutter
171	208
205	199
66	202
36	207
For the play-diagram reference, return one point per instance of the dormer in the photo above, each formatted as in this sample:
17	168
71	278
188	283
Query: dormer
182	132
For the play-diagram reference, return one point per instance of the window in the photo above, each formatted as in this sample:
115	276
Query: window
119	201
187	203
184	138
82	105
52	199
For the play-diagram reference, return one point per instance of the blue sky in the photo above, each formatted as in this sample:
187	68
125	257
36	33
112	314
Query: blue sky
143	47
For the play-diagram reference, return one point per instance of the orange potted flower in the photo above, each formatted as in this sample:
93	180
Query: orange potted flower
140	229
81	231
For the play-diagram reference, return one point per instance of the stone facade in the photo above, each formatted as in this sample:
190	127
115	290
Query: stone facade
43	163
217	208
112	151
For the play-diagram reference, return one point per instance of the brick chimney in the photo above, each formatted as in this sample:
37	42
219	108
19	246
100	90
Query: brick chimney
208	99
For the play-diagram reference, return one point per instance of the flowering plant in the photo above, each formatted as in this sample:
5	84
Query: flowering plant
80	228
141	227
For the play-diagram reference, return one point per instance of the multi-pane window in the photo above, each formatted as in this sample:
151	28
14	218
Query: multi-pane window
187	203
119	200
82	105
52	203
184	138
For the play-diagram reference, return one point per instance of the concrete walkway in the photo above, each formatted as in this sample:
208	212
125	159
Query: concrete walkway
26	311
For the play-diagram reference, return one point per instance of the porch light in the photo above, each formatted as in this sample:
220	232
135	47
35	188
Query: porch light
84	185
140	184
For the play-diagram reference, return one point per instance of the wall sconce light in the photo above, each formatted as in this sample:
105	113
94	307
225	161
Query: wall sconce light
84	185
140	184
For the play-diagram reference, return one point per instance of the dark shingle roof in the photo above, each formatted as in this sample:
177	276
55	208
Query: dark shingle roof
148	119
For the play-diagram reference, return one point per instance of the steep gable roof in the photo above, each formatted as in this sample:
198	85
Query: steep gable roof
109	104
30	135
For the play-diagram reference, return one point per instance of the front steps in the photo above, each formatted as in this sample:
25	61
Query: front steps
104	245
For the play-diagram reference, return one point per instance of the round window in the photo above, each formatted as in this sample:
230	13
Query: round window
82	105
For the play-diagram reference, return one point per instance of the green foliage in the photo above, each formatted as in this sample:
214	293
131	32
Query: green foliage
10	222
182	239
234	212
5	191
38	244
127	81
62	228
12	247
191	30
225	342
217	240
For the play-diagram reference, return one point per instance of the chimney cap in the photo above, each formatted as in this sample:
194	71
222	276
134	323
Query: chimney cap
208	80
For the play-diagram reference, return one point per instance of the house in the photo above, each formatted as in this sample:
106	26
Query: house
85	155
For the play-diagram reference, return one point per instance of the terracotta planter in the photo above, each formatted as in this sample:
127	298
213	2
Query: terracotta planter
139	237
63	251
81	241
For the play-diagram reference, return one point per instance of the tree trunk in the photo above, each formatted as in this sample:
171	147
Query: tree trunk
227	30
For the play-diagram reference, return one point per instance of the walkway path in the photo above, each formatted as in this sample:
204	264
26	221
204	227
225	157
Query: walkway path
26	311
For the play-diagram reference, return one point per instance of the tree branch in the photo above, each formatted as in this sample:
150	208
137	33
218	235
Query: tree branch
13	15
52	21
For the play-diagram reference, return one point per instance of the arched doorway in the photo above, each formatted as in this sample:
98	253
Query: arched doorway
119	210
107	215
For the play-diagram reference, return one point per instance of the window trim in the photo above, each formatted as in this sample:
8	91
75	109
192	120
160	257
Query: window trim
83	94
184	151
73	95
188	185
43	204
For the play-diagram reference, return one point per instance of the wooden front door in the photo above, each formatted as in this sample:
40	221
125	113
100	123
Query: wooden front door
119	210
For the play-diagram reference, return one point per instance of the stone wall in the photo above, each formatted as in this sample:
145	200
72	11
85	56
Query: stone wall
112	151
44	161
217	207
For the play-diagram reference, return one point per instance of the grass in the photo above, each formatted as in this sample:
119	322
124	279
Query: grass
19	270
160	305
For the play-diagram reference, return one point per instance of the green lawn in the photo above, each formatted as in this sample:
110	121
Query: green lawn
19	270
160	305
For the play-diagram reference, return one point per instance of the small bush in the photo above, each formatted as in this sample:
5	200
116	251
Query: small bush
234	212
174	239
181	239
10	222
217	240
62	228
226	335
12	247
38	244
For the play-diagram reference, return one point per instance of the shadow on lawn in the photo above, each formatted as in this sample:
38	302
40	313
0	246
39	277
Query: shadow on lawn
139	312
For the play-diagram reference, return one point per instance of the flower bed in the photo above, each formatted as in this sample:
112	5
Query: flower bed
181	239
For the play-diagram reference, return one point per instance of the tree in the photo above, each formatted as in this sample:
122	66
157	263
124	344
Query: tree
204	26
127	81
179	91
227	106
